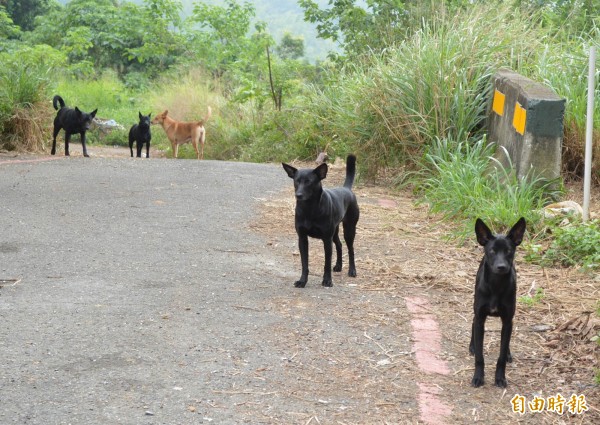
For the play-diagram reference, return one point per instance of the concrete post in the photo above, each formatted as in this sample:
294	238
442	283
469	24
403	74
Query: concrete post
526	118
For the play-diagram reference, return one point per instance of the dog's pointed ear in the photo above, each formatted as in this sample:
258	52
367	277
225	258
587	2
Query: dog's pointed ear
77	110
140	115
517	232
291	171
93	114
484	234
150	115
321	171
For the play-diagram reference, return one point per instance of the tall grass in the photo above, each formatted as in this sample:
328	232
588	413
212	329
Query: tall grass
564	68
462	181
22	89
435	84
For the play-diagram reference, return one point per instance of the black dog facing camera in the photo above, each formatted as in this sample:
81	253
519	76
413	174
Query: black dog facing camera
495	295
140	134
319	213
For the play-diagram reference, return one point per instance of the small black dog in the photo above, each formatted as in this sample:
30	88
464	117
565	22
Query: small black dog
73	121
319	212
140	133
495	295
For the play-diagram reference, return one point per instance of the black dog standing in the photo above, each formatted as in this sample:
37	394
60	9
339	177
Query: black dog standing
72	121
140	133
495	295
319	213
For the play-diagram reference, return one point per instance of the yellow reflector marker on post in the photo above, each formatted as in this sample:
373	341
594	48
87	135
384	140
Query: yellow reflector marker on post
519	119
498	103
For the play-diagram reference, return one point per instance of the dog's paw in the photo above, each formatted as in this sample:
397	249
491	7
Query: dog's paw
53	152
501	382
477	381
337	267
352	272
327	282
300	284
86	155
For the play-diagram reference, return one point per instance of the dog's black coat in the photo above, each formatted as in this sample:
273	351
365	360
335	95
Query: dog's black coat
72	121
495	295
319	213
140	134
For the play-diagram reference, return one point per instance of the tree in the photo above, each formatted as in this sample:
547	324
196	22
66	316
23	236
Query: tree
290	47
366	26
23	12
8	30
225	37
126	38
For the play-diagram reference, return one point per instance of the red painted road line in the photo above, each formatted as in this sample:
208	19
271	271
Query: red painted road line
433	411
25	161
427	344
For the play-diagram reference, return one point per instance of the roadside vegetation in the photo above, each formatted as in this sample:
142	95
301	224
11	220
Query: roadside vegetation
407	91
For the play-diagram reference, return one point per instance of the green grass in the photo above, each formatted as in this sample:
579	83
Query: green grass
462	181
574	245
113	100
529	300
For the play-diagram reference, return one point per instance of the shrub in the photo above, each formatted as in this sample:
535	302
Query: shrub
574	245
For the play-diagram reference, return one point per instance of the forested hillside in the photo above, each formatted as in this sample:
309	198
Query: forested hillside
280	16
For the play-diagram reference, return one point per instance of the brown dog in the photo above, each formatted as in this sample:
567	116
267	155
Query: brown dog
180	132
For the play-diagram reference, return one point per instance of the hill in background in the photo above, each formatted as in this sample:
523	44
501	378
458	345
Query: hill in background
281	17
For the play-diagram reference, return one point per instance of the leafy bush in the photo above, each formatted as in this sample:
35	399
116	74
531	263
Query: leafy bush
573	245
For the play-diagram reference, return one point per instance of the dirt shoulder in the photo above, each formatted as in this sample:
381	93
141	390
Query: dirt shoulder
402	252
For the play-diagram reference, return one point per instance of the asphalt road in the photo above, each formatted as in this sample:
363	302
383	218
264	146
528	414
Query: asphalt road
121	284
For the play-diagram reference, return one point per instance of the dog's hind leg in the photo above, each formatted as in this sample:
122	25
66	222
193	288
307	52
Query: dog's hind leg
131	143
195	145
67	140
202	140
338	250
303	247
349	234
504	352
54	134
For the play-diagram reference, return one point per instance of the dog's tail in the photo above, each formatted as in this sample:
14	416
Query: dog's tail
56	101
350	171
208	114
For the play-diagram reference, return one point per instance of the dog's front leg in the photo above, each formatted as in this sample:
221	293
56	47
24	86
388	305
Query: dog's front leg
303	246
478	332
504	352
83	144
147	149
328	246
338	250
